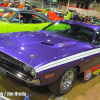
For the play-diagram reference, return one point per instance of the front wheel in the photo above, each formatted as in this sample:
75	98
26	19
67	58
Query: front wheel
65	82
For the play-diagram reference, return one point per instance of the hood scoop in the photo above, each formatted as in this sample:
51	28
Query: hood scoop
57	45
46	43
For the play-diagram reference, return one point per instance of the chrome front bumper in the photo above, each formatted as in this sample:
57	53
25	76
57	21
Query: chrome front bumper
20	75
35	82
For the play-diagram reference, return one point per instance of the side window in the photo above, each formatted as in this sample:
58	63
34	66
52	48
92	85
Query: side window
86	34
37	19
17	19
58	26
28	18
7	15
97	39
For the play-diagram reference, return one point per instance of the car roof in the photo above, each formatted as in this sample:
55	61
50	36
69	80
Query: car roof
94	27
15	9
27	11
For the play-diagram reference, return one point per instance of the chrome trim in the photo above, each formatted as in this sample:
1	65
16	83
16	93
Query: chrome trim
67	80
20	62
10	59
30	81
24	77
35	82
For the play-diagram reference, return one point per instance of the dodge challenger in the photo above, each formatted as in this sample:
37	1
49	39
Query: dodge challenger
54	56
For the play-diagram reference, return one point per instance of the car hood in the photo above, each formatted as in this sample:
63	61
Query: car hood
24	46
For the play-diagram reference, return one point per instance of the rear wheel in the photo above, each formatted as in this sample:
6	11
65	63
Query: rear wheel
65	82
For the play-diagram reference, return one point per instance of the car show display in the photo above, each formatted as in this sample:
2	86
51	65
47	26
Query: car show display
48	48
64	47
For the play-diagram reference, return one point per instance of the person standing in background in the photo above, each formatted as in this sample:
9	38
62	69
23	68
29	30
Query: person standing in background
79	14
82	19
72	14
29	7
34	6
14	5
0	4
76	17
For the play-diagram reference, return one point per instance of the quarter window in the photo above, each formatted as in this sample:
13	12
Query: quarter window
28	18
97	39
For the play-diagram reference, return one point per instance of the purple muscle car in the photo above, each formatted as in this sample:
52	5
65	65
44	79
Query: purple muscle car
53	56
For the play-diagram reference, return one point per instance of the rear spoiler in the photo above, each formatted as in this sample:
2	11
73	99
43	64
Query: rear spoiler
68	15
21	6
45	10
6	4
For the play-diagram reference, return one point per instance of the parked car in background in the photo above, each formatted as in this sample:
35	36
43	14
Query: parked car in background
54	16
87	19
17	20
6	4
95	21
53	56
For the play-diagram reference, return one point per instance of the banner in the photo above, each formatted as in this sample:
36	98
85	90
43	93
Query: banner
91	73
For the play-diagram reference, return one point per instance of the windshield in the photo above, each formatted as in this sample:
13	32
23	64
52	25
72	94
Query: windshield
6	15
74	31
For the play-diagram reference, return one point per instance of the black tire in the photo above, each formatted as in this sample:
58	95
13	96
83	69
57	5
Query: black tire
57	89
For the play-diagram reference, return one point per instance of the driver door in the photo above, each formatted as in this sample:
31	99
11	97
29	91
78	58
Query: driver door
24	23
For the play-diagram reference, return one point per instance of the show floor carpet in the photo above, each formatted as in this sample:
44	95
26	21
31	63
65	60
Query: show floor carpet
80	91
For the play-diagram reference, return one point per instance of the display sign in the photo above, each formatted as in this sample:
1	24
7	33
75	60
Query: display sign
91	73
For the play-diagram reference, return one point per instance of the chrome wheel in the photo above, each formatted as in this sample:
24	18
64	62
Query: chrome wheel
67	80
64	82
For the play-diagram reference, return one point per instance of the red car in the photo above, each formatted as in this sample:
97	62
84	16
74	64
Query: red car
52	15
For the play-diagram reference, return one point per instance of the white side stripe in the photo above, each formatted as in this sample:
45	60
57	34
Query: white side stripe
4	98
68	59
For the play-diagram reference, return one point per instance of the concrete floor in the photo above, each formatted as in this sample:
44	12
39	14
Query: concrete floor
80	91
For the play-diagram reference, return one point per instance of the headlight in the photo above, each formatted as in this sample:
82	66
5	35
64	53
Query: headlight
27	68
32	72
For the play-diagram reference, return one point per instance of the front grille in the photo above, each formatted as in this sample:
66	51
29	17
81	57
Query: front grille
13	66
10	59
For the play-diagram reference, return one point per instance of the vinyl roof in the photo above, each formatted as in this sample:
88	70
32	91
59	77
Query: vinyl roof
27	11
94	27
16	9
